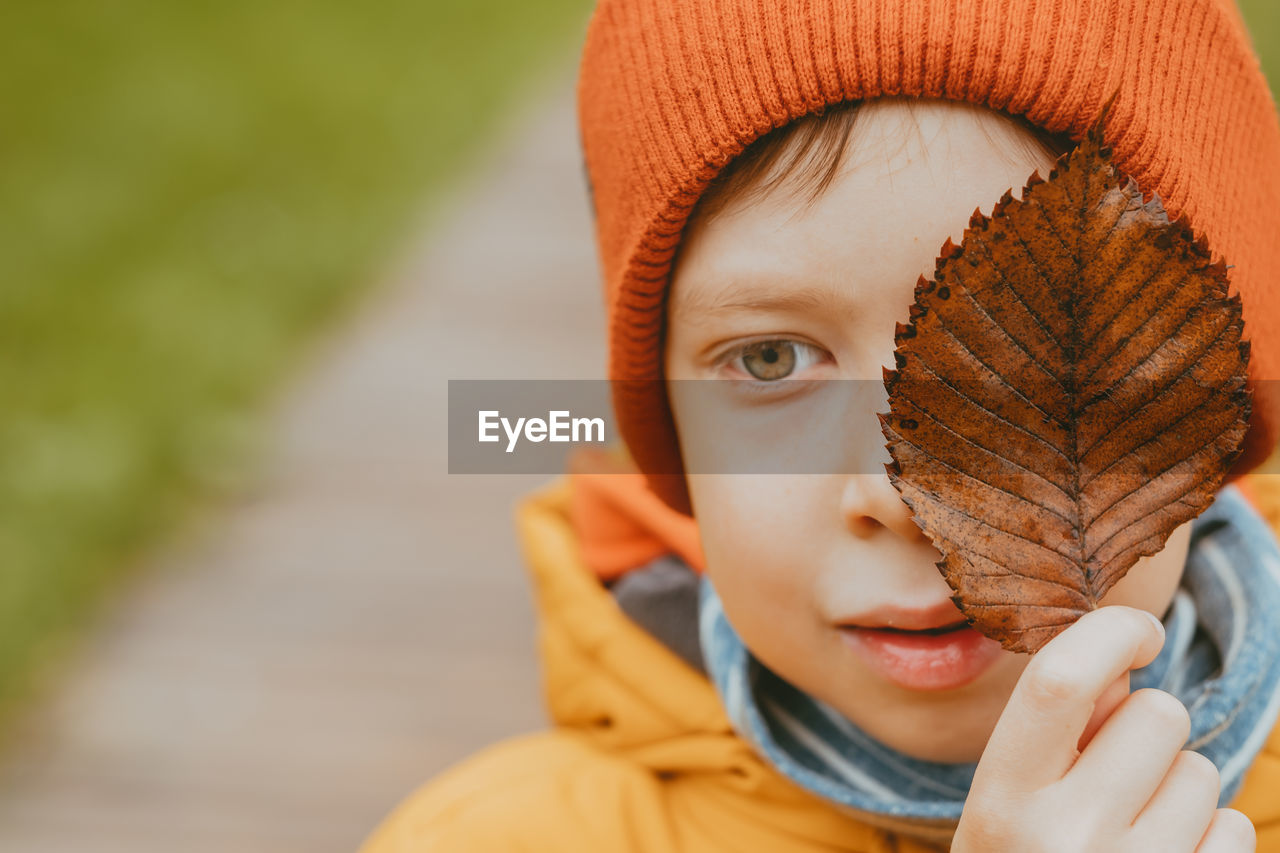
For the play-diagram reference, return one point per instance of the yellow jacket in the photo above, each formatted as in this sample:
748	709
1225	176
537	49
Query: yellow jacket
642	756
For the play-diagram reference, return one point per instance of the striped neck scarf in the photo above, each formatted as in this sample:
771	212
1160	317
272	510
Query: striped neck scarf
1221	658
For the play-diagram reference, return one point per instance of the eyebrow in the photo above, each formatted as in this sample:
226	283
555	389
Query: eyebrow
747	298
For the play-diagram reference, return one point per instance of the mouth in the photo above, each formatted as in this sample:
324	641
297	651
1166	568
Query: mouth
932	632
943	657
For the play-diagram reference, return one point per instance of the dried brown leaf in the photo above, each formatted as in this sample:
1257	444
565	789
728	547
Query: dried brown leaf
1069	390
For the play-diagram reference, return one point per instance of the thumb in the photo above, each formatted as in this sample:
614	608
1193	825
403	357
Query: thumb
1107	702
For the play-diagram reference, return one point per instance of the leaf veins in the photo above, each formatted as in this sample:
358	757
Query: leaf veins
1069	390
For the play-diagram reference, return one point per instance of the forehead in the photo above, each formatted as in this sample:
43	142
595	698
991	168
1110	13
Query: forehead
912	175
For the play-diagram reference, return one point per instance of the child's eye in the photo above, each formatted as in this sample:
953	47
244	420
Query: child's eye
771	360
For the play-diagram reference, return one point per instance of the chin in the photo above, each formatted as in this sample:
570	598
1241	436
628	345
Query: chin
956	750
933	738
950	727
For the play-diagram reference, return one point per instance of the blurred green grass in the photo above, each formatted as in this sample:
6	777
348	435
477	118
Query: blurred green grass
1263	18
191	192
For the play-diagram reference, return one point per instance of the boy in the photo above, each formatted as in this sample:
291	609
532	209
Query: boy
808	685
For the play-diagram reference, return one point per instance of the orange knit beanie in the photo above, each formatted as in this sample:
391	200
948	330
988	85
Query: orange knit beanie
670	90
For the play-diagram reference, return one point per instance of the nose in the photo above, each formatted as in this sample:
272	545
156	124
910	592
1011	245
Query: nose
870	502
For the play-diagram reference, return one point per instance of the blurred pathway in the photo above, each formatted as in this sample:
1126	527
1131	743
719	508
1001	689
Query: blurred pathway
357	620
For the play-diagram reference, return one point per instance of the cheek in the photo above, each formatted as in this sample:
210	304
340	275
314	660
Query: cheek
758	544
1151	583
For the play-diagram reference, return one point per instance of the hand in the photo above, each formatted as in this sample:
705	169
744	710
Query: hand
1077	763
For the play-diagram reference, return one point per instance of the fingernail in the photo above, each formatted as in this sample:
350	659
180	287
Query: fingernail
1155	619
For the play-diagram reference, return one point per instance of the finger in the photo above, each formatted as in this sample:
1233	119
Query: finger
1134	754
1230	832
1110	699
1034	741
1183	805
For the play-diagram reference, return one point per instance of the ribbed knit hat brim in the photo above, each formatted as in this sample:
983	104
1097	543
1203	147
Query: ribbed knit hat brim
671	90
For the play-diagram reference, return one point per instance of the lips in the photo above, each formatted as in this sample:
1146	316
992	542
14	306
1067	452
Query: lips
942	656
933	632
939	614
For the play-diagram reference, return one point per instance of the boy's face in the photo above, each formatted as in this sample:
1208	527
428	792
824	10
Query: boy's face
794	556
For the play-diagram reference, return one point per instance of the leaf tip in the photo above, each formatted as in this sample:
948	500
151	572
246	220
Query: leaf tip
1095	134
1201	245
1182	224
1154	207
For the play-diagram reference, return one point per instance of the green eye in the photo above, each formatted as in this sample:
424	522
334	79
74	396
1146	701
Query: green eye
770	359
